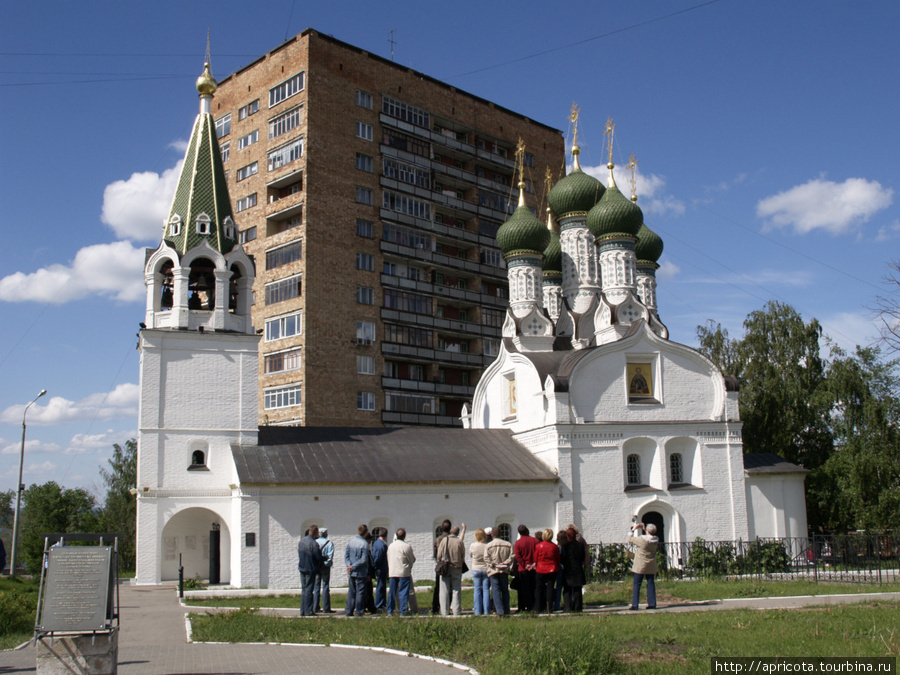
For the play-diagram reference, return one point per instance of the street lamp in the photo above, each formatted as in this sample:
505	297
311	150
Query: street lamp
15	541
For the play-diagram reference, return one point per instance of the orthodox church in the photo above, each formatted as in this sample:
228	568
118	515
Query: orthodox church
589	415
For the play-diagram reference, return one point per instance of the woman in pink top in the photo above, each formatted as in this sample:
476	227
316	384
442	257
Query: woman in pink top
546	555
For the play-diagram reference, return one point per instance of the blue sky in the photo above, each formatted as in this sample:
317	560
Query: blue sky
765	132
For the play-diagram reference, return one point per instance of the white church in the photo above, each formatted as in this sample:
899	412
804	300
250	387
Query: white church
589	415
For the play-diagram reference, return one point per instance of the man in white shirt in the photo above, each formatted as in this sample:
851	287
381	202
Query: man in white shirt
400	563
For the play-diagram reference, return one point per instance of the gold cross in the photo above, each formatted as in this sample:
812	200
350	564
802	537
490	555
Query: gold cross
573	118
610	127
632	164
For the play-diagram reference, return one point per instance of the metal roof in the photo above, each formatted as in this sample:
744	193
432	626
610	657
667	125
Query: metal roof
769	462
310	455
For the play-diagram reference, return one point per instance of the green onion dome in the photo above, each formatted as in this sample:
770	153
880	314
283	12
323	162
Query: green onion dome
649	245
576	193
523	232
614	213
553	252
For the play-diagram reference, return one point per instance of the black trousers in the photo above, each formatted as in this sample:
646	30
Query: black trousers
545	585
526	581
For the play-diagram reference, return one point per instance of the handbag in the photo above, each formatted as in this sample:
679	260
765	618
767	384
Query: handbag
465	568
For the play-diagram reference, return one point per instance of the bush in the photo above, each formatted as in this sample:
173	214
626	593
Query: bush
764	557
610	562
17	612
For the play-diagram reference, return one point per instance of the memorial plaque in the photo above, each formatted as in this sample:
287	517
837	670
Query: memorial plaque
78	589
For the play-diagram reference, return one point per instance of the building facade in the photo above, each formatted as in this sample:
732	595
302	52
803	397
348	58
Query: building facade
370	195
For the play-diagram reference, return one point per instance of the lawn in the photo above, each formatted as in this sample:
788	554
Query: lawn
18	604
619	643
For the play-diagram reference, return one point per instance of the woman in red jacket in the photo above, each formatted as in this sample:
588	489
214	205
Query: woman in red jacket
546	555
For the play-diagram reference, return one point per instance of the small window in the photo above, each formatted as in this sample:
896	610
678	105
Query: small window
247	235
245	203
286	89
365	295
676	468
365	365
364	228
248	140
247	171
504	531
365	332
364	131
282	397
365	400
175	226
633	464
364	99
364	196
365	162
198	458
223	125
365	262
225	149
229	228
203	224
248	110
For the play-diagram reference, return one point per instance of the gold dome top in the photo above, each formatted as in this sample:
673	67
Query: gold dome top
206	83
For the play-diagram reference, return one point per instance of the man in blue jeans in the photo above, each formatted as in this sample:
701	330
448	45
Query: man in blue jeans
323	578
357	559
309	561
380	562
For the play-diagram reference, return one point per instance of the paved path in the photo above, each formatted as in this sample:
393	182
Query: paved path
153	640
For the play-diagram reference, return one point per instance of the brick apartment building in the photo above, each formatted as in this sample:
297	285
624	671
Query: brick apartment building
370	195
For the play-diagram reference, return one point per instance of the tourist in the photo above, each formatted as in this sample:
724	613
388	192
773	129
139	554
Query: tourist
480	573
546	557
452	550
357	559
499	556
560	580
644	565
323	578
309	562
435	598
573	570
525	565
380	563
400	559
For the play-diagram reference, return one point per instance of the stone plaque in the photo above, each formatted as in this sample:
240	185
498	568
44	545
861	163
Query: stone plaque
78	589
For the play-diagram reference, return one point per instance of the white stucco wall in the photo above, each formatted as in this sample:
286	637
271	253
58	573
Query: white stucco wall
777	504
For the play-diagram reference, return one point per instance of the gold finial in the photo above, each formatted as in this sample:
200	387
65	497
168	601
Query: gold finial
206	83
610	128
520	166
573	117
548	182
632	164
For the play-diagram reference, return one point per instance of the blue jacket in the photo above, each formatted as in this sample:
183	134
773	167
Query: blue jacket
309	555
357	557
379	556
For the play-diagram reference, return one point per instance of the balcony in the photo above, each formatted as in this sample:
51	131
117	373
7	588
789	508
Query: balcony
421	419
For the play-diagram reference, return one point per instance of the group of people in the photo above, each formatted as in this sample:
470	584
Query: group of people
549	572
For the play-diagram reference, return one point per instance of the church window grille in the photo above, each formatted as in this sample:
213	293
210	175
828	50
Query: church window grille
223	125
246	171
284	255
633	464
285	122
365	400
364	131
248	140
365	295
283	326
283	397
288	88
245	203
282	362
676	468
284	155
504	531
284	289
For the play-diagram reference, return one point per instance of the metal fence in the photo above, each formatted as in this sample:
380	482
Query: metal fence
857	558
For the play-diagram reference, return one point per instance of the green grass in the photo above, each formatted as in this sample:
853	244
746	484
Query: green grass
620	643
18	604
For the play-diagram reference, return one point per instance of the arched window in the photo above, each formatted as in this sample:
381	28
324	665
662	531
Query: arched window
198	458
504	531
203	224
633	464
676	468
202	285
175	226
229	228
168	284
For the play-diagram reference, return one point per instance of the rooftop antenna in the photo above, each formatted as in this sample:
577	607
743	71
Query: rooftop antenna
391	40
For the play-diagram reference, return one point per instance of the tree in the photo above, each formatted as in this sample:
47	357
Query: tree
719	347
49	509
887	310
119	512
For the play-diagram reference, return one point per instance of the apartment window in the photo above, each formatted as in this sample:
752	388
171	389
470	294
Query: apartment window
364	228
284	289
248	140
407	173
415	372
404	111
365	295
281	362
364	196
492	317
285	122
633	466
406	335
407	236
291	189
365	162
245	203
248	110
247	235
285	154
365	332
284	255
418	208
411	403
392	370
247	171
285	326
225	149
364	99
493	200
286	89
529	159
279	226
390	269
365	365
223	125
491	256
407	302
400	141
365	400
283	397
491	347
364	131
365	261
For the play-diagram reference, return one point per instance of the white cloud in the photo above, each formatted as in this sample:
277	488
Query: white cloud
119	403
835	207
667	270
136	208
112	270
43	466
889	232
650	190
15	447
98	443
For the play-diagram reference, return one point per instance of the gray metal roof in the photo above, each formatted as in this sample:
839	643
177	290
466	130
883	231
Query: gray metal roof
308	455
769	462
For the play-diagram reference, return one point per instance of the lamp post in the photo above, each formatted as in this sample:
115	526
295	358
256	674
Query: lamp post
15	541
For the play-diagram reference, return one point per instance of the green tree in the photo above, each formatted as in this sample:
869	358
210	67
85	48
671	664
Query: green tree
119	512
719	347
49	509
